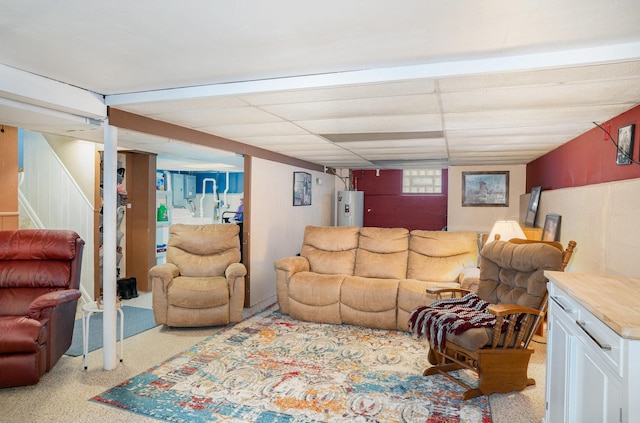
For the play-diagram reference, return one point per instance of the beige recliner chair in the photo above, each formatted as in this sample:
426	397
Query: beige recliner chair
202	282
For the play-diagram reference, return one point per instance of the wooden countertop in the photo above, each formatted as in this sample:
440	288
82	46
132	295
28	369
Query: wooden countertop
615	300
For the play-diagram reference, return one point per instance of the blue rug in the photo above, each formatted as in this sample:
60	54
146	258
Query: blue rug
271	368
136	320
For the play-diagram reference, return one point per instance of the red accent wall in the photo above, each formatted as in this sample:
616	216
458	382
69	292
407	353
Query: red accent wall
385	206
587	159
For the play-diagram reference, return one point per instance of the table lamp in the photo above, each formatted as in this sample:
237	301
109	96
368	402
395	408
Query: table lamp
505	230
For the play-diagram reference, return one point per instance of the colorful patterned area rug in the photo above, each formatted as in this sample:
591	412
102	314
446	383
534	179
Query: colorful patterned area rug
272	368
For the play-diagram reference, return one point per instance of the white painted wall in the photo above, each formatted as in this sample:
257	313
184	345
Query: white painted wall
79	159
481	219
603	219
57	200
277	227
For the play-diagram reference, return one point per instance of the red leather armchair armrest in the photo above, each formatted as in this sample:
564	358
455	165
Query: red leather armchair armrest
39	306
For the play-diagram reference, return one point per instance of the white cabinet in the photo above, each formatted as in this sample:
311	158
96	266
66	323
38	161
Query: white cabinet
592	370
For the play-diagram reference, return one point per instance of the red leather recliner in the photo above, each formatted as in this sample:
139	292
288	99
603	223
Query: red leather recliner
39	291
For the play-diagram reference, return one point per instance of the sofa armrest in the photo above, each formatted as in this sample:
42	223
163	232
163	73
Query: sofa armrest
234	271
51	299
285	269
470	278
165	272
292	265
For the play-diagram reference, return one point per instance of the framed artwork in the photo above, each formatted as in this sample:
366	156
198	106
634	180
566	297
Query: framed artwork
485	189
551	230
301	189
532	210
625	145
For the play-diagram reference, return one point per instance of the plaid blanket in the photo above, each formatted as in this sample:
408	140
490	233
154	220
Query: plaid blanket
453	316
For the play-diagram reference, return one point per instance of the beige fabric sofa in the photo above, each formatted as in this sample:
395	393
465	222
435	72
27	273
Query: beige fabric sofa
372	277
202	282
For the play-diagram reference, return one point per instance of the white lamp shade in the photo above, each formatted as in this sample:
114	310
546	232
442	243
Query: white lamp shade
507	229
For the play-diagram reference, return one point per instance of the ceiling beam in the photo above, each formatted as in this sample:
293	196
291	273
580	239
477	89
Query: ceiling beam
134	122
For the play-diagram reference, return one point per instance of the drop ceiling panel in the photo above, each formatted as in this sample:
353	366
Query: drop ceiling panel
207	117
254	129
292	140
545	96
532	118
158	107
411	143
420	86
429	122
379	106
604	72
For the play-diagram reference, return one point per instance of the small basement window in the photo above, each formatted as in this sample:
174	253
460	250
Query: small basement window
422	181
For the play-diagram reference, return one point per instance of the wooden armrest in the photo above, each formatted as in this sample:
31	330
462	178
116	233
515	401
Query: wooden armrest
504	309
445	290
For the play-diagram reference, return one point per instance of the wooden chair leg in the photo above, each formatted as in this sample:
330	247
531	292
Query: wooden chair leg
441	368
502	371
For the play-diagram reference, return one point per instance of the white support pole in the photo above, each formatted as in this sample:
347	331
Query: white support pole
109	204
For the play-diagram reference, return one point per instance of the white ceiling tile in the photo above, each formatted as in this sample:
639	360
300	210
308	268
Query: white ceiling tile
545	96
388	89
374	124
380	106
216	117
531	118
254	129
611	71
159	107
413	143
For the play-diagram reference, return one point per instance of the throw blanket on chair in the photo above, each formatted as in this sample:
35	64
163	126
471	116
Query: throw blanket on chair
454	316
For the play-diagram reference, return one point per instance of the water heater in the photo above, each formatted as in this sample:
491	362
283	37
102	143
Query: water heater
350	208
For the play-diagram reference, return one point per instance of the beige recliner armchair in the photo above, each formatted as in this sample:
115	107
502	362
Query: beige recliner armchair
202	282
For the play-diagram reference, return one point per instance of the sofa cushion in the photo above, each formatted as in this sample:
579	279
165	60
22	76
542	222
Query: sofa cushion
197	293
382	253
315	297
330	250
203	250
440	256
315	289
369	302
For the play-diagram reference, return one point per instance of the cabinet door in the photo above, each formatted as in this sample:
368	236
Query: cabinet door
558	353
596	391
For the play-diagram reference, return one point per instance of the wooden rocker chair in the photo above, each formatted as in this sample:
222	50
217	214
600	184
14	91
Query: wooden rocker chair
513	289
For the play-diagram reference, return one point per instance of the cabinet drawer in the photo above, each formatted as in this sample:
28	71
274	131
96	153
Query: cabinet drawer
600	338
592	332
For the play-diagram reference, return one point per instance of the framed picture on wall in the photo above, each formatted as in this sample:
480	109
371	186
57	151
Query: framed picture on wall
301	189
625	145
551	230
485	189
532	210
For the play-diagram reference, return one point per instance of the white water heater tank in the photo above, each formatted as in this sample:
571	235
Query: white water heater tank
350	208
